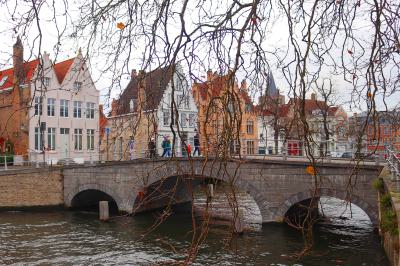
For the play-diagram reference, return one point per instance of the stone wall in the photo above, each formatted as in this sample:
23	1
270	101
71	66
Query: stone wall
391	240
31	187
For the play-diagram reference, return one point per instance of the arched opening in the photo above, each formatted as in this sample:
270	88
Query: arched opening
299	204
88	200
329	210
182	193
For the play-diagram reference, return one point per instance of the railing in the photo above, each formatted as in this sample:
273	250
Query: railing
393	160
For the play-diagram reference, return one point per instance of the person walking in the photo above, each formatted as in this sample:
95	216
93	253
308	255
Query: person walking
189	150
196	142
164	146
152	148
168	147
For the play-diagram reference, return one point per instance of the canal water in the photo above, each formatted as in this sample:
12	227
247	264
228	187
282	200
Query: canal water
61	237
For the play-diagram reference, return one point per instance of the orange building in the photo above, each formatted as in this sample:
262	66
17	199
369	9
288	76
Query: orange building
227	120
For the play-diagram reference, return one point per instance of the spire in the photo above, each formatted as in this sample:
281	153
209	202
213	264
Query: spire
271	87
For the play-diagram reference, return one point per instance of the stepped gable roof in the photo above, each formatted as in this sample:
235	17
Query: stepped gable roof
213	87
7	75
154	82
61	69
216	87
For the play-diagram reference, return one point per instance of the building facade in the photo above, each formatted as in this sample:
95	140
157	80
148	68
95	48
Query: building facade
154	106
57	109
227	117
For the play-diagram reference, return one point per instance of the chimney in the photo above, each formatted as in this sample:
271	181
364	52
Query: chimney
141	91
133	73
313	96
18	62
209	75
114	107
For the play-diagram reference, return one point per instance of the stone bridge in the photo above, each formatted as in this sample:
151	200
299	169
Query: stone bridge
274	185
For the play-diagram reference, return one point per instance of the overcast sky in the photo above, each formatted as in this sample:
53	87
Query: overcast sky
276	39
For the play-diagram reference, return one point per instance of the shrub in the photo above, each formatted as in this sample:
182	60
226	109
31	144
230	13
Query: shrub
386	201
378	184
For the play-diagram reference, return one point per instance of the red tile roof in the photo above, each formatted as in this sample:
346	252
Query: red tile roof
8	74
311	105
62	68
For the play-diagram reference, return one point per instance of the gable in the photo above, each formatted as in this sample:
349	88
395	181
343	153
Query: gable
7	76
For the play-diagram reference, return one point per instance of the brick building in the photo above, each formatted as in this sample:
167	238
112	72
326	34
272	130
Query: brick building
227	118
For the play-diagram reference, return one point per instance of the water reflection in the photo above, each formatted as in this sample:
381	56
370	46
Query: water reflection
78	238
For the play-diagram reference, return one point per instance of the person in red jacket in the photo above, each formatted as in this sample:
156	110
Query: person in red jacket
189	150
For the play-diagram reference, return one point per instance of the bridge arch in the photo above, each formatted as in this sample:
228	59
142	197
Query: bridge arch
94	187
257	195
339	194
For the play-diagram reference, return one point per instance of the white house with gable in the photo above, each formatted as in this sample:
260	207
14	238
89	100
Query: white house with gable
64	118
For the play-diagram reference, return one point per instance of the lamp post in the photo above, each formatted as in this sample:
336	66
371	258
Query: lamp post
42	129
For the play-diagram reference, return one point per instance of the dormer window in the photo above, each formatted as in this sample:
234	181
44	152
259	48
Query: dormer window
77	86
3	80
46	81
132	104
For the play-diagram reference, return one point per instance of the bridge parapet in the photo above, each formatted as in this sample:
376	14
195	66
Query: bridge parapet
274	185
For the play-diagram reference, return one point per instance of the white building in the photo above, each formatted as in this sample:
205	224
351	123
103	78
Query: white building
64	117
150	95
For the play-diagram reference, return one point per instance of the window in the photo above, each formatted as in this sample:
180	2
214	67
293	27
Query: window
77	109
90	110
179	100
51	138
183	120
38	139
186	101
78	139
386	130
250	127
38	105
192	120
64	108
250	147
64	131
51	107
77	86
90	139
132	104
247	108
46	81
166	118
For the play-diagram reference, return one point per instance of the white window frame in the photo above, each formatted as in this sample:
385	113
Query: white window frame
166	120
192	120
78	139
64	108
183	120
51	107
38	105
77	109
77	86
90	139
90	110
46	81
38	139
51	138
